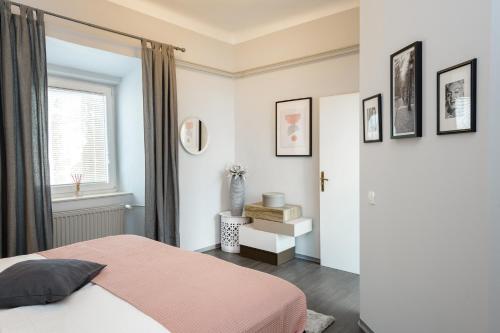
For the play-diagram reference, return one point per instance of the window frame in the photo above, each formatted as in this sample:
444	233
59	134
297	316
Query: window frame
85	85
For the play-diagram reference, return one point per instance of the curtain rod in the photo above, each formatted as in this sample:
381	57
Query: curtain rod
182	49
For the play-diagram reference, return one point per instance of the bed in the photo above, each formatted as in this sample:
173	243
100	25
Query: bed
148	286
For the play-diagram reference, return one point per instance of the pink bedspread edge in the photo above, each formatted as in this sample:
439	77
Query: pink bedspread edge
191	292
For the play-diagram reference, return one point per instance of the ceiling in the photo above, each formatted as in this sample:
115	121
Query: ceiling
235	21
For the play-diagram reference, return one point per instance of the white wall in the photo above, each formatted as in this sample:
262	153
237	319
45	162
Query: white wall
203	185
130	145
297	177
425	245
494	121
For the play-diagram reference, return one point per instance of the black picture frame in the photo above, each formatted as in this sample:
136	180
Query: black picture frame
473	97
309	137
200	135
417	46
363	114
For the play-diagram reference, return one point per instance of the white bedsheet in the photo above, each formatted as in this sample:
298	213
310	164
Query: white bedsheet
90	309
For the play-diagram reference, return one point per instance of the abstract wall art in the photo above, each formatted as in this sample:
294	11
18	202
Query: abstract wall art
294	127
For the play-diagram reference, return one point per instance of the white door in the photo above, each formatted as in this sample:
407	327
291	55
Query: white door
339	142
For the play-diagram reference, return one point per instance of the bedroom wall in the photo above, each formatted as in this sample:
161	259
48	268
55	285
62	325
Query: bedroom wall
130	146
203	186
255	108
494	151
255	131
425	246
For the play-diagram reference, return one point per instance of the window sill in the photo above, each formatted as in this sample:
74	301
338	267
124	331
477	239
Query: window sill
90	196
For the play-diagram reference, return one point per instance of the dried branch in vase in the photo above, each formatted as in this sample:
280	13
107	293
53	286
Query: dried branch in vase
77	180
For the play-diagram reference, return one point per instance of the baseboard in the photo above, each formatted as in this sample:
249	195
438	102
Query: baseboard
364	327
209	248
307	258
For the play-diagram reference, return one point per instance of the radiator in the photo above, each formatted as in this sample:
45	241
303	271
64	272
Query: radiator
83	224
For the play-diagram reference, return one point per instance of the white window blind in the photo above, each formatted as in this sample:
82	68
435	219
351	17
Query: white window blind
77	136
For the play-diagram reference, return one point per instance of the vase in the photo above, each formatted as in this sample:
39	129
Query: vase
237	194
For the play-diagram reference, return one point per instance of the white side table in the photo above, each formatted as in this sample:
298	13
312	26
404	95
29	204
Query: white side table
230	231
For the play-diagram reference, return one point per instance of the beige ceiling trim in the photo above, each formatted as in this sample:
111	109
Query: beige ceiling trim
299	61
203	68
354	49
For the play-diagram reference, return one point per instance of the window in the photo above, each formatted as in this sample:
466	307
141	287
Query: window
81	138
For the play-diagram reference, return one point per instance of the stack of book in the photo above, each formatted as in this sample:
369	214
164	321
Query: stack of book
271	235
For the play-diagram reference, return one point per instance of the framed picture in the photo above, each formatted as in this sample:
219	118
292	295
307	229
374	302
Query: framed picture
372	119
294	127
456	102
406	92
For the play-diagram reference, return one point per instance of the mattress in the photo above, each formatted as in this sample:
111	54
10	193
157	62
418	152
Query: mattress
148	286
90	309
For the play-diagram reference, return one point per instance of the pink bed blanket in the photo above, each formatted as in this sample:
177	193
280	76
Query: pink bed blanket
191	292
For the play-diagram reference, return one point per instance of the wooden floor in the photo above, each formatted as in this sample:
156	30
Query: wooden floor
328	291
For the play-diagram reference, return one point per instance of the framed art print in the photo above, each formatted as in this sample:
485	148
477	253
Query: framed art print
456	102
294	127
372	119
406	92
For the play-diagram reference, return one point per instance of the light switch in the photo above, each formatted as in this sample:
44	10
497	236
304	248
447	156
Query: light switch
371	198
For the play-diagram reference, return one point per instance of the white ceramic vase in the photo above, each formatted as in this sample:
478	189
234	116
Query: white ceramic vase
237	194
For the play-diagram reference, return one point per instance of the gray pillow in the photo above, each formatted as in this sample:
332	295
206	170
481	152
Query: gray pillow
34	282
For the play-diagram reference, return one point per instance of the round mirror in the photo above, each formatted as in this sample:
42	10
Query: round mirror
194	136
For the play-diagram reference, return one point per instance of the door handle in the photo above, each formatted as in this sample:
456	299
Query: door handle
323	180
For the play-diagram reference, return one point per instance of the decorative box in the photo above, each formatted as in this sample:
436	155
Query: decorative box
273	199
294	228
265	246
278	214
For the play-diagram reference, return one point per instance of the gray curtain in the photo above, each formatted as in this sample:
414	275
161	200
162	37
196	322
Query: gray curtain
25	205
161	143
